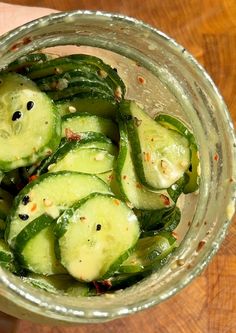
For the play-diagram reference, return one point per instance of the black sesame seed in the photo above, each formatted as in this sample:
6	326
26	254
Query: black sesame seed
30	105
16	115
190	168
115	69
23	217
26	200
98	227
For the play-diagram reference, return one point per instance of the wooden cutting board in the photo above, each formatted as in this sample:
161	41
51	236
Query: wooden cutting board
207	28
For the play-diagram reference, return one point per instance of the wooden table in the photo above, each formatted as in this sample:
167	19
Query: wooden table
207	28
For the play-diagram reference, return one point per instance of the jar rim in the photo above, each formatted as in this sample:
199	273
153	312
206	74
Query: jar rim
99	314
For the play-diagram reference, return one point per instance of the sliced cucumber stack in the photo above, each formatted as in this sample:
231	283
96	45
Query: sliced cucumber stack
89	183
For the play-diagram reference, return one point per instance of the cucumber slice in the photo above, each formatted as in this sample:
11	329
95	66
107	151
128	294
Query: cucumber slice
161	155
87	140
5	202
95	236
12	181
77	289
193	171
3	225
94	103
49	194
23	106
5	206
149	253
80	122
175	124
154	221
34	247
89	161
177	188
76	61
106	177
54	284
131	189
21	63
7	259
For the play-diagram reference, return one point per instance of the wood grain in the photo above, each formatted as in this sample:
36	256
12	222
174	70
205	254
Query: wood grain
207	28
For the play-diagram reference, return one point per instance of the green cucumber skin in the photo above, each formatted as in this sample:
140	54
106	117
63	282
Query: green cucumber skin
153	260
58	284
154	222
7	258
48	147
28	234
194	179
20	64
68	145
74	79
131	130
120	191
31	230
72	62
174	124
177	188
96	103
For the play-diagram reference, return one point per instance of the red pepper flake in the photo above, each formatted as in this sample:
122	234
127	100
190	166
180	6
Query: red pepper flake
32	178
107	283
175	235
57	70
138	185
26	40
216	157
165	199
97	287
34	207
70	135
20	186
141	79
116	202
82	218
231	180
124	177
103	74
189	223
118	93
200	246
180	262
147	157
110	177
49	152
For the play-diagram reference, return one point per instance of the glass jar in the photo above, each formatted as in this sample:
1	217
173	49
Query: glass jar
173	82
